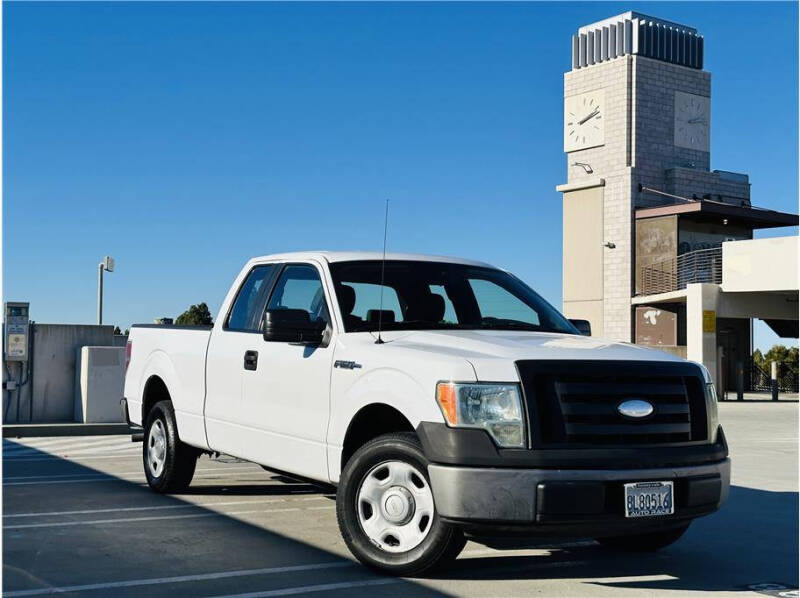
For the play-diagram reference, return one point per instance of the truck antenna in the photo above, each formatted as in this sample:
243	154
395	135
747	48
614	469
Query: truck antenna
379	340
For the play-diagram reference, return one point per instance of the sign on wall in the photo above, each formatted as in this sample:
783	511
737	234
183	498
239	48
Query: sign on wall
656	241
709	320
656	326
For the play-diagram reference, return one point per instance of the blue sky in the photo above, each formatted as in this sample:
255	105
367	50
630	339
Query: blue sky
184	138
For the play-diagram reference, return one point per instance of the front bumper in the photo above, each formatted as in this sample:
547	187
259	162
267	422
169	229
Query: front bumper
577	502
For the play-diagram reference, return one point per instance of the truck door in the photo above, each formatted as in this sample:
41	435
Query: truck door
233	344
287	396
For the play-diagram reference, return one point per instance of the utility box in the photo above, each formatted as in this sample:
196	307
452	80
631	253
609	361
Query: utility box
100	378
17	328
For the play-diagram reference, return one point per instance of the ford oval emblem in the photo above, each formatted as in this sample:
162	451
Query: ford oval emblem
635	408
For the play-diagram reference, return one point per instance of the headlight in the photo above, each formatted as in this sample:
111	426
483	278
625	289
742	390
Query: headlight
711	410
497	408
711	403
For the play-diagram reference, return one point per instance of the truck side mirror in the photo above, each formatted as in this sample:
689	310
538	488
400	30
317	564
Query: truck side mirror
292	326
583	326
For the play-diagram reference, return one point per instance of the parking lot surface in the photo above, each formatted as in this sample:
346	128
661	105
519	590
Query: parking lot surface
79	518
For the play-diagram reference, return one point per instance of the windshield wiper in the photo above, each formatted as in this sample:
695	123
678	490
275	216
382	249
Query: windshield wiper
508	323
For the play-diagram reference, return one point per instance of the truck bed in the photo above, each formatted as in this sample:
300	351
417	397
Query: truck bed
177	354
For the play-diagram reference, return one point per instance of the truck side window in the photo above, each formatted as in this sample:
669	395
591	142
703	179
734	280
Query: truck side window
249	304
300	287
449	310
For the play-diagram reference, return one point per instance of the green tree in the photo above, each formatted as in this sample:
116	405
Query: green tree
117	330
787	358
196	315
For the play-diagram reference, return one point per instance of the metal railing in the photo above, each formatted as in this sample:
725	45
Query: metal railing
673	274
761	380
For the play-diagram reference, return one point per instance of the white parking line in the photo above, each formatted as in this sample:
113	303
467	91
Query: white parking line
79	481
88	475
323	587
531	551
158	507
50	443
74	458
89	478
633	578
178	579
157	518
71	445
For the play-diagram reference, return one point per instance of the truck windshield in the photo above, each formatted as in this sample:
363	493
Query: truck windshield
439	296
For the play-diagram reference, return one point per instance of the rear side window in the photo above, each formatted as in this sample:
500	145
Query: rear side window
249	305
368	298
449	310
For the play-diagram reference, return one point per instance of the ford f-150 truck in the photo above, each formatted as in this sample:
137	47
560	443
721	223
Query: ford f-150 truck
442	397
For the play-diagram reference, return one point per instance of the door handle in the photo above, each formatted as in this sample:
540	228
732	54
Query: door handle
250	360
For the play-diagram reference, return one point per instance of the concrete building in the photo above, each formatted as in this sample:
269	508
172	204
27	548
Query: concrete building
658	248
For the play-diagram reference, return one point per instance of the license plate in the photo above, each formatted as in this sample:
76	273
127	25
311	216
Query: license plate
648	499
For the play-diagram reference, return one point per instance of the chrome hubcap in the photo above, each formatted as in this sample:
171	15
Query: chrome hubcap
395	506
156	448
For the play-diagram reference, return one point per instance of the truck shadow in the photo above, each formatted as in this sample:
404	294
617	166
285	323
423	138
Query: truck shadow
752	539
65	525
127	533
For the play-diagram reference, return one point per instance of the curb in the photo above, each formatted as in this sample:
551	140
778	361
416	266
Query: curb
68	429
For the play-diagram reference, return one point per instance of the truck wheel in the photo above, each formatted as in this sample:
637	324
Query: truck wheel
386	512
649	542
168	463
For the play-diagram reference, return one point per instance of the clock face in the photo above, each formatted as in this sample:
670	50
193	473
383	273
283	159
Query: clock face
584	120
692	121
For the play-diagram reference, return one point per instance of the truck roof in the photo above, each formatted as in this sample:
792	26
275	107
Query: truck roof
350	256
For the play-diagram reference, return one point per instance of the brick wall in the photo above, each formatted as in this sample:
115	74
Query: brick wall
610	161
654	151
687	182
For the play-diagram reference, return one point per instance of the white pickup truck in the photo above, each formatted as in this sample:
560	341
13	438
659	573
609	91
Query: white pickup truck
443	398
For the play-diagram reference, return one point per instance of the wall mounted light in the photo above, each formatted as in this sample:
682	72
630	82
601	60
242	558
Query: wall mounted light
587	168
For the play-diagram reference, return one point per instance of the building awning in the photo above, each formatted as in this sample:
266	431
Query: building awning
717	212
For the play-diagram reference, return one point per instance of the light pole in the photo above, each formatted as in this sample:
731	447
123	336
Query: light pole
106	264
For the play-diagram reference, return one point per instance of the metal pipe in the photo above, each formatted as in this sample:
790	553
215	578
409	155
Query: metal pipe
19	390
774	379
739	380
665	194
31	333
100	294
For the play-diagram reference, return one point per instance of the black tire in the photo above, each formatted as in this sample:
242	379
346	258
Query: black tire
649	542
443	542
180	459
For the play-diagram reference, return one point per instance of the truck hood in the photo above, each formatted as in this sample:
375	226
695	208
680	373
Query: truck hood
493	352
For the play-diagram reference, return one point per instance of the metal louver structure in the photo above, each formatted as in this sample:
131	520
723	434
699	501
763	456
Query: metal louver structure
637	34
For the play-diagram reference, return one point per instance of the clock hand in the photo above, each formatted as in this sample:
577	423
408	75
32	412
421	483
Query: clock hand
696	121
590	115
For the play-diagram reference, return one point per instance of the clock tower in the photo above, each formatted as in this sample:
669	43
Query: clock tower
637	115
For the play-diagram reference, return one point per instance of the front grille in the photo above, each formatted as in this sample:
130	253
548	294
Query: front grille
590	411
574	403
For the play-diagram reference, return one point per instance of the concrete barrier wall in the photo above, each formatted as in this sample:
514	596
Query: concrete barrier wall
50	394
99	381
